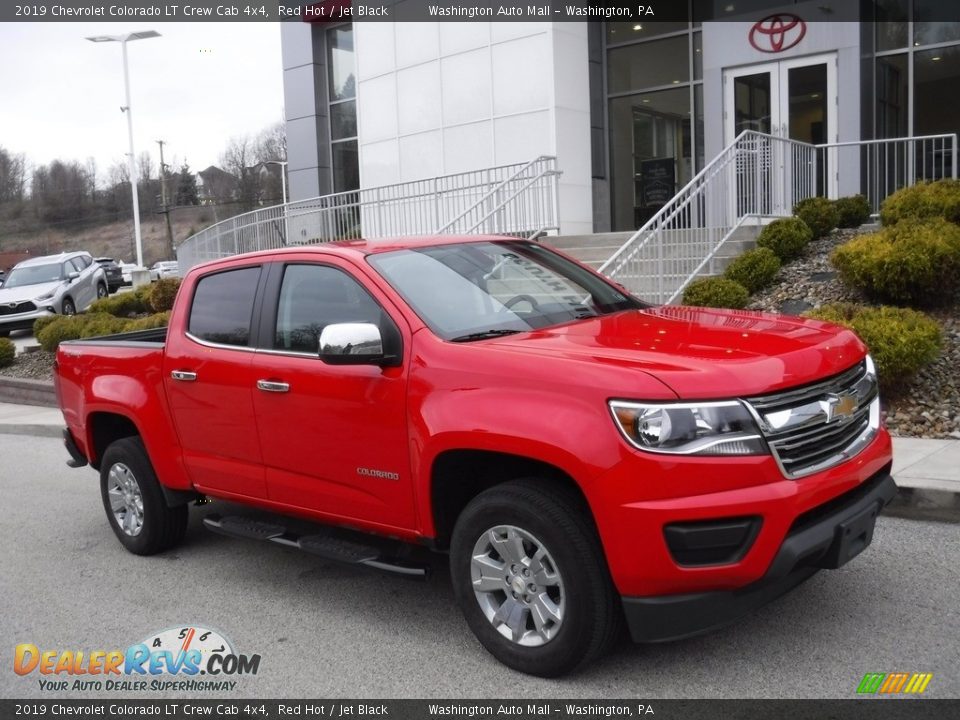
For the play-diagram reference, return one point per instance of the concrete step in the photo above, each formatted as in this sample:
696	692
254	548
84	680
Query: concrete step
612	239
22	391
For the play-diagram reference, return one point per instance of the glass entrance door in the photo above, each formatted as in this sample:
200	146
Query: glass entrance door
793	99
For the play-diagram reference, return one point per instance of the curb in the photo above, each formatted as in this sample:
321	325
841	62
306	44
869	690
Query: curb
24	391
35	430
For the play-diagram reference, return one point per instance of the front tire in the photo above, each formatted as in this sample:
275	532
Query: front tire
134	502
102	291
531	579
68	307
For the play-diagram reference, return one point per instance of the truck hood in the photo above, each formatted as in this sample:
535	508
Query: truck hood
702	353
26	292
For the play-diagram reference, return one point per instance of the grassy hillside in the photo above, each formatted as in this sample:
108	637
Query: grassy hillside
112	239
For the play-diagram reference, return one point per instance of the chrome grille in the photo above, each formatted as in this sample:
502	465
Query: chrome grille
16	308
815	427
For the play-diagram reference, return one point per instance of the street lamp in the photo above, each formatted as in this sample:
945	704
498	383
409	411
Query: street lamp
283	181
123	40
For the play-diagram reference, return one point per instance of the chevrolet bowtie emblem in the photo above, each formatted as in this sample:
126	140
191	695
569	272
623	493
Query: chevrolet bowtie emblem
841	407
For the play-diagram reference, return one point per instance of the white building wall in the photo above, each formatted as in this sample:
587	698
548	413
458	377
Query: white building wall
441	98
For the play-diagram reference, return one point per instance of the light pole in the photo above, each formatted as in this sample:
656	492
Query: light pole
283	181
123	40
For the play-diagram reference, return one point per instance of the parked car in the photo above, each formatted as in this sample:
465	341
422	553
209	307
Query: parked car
127	272
65	284
112	271
164	269
584	458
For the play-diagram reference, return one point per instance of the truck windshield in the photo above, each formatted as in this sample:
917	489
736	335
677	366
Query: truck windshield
471	291
34	275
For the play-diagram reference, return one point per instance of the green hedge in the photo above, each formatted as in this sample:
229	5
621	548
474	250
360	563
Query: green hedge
125	304
901	341
716	292
940	199
852	211
786	237
755	269
8	351
819	214
915	262
87	325
163	293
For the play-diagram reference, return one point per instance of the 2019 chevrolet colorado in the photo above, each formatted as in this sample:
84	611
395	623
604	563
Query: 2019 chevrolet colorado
585	458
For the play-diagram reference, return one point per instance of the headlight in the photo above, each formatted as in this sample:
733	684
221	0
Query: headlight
708	428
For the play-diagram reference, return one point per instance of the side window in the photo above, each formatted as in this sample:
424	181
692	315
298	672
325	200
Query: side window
223	305
314	296
71	266
83	261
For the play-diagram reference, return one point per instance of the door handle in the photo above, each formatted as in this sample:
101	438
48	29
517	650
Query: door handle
183	375
273	386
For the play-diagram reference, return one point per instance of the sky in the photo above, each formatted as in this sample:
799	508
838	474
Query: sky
194	88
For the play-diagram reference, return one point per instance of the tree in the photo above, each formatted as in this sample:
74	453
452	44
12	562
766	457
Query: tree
61	192
12	176
271	143
186	187
236	160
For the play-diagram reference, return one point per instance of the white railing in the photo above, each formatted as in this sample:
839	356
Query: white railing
756	175
763	176
516	200
885	166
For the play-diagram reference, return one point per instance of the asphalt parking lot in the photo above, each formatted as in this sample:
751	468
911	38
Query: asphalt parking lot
325	630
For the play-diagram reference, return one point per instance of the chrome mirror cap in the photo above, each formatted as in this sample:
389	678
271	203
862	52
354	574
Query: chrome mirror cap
347	343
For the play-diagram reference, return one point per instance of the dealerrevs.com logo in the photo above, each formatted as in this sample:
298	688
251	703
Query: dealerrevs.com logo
188	658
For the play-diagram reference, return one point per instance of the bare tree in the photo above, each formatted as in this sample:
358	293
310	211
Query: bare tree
12	176
271	143
237	160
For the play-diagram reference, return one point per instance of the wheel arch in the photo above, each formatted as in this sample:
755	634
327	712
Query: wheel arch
457	476
104	428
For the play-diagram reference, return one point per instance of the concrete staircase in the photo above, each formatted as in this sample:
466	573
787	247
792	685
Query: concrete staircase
596	249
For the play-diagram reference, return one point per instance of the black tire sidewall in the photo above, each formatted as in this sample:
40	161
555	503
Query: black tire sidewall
68	302
155	534
578	571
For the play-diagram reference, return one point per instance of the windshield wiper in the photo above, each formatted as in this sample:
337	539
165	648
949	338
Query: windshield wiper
483	334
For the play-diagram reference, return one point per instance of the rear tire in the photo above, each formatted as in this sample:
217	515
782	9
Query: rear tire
561	614
134	502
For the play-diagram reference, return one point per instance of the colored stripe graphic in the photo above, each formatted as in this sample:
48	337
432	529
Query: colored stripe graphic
894	683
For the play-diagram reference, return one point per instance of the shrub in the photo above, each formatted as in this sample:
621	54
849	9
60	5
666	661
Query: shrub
149	322
123	304
912	262
162	294
101	324
819	214
755	269
852	211
923	200
716	292
8	351
786	237
41	322
67	327
901	341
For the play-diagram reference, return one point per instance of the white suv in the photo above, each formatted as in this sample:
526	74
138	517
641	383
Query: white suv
64	284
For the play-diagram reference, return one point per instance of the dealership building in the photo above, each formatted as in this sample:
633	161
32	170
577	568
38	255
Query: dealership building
631	110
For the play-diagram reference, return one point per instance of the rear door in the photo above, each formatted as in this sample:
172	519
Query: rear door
208	378
334	437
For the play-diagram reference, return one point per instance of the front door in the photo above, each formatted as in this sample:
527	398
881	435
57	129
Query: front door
794	99
334	437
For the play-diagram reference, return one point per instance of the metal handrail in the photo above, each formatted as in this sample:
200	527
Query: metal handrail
760	175
419	207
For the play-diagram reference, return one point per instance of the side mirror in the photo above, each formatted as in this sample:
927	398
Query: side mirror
72	276
352	344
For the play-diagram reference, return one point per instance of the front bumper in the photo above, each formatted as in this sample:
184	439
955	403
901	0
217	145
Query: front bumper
825	537
23	321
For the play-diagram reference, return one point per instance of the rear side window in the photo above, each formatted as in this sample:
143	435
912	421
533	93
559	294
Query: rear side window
223	305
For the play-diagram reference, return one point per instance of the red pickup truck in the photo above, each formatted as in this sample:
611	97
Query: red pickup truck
585	459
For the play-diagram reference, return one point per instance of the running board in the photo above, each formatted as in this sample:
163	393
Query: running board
323	544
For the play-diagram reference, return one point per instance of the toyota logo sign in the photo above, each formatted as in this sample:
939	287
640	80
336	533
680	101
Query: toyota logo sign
776	33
